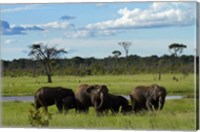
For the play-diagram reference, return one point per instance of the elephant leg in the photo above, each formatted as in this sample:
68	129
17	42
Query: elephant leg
86	109
161	103
37	106
59	107
149	105
116	109
112	111
106	111
156	104
136	107
66	109
45	108
82	109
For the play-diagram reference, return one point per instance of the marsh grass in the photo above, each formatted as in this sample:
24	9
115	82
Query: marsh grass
119	84
176	115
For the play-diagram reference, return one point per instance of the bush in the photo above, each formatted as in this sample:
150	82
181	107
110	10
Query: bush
39	118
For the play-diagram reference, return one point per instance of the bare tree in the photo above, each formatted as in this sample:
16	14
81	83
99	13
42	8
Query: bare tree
126	46
45	54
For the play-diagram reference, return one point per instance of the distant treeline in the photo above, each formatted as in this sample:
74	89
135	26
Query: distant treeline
132	64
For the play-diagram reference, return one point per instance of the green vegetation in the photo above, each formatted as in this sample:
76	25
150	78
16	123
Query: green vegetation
39	118
176	115
112	65
117	84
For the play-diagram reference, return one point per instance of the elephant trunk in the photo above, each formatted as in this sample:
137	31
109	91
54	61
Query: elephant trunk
161	102
102	101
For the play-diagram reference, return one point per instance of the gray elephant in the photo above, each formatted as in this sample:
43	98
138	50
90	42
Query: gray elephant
47	96
83	95
148	97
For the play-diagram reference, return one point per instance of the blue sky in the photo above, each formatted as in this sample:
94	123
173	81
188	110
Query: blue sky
94	29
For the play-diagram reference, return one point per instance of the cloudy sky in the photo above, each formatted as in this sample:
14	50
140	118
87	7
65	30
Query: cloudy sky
95	29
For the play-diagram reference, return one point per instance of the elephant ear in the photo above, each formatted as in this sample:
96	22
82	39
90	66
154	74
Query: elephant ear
90	89
162	91
103	88
152	93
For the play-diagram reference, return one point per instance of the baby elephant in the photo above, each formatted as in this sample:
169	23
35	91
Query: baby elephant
113	103
69	102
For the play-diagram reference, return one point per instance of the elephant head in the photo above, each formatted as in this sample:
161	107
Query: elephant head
156	97
97	93
88	95
97	88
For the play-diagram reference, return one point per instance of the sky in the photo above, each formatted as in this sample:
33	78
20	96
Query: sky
95	29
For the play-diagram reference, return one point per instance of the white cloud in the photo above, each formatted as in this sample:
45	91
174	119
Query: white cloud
81	33
23	8
49	25
100	4
159	14
9	41
56	25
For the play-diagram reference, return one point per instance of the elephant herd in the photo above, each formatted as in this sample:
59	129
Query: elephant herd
142	98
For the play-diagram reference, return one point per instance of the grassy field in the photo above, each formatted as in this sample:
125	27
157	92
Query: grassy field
176	115
122	84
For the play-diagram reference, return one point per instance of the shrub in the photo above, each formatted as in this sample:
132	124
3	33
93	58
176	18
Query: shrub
39	118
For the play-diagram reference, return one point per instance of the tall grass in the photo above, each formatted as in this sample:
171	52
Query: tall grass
176	115
119	84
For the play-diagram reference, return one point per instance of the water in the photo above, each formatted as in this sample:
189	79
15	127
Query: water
17	98
31	98
167	98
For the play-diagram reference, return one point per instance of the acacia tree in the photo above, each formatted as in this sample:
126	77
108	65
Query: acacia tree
176	49
116	53
126	46
45	54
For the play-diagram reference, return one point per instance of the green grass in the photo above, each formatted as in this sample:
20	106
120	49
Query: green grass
176	115
119	84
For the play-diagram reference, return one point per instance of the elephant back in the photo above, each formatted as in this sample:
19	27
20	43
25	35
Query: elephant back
53	92
139	93
82	95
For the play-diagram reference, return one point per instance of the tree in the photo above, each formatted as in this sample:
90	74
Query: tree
116	53
126	46
176	49
45	54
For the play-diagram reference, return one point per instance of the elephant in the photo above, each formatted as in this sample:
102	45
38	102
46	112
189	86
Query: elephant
83	95
47	96
69	102
126	109
104	101
148	97
156	97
